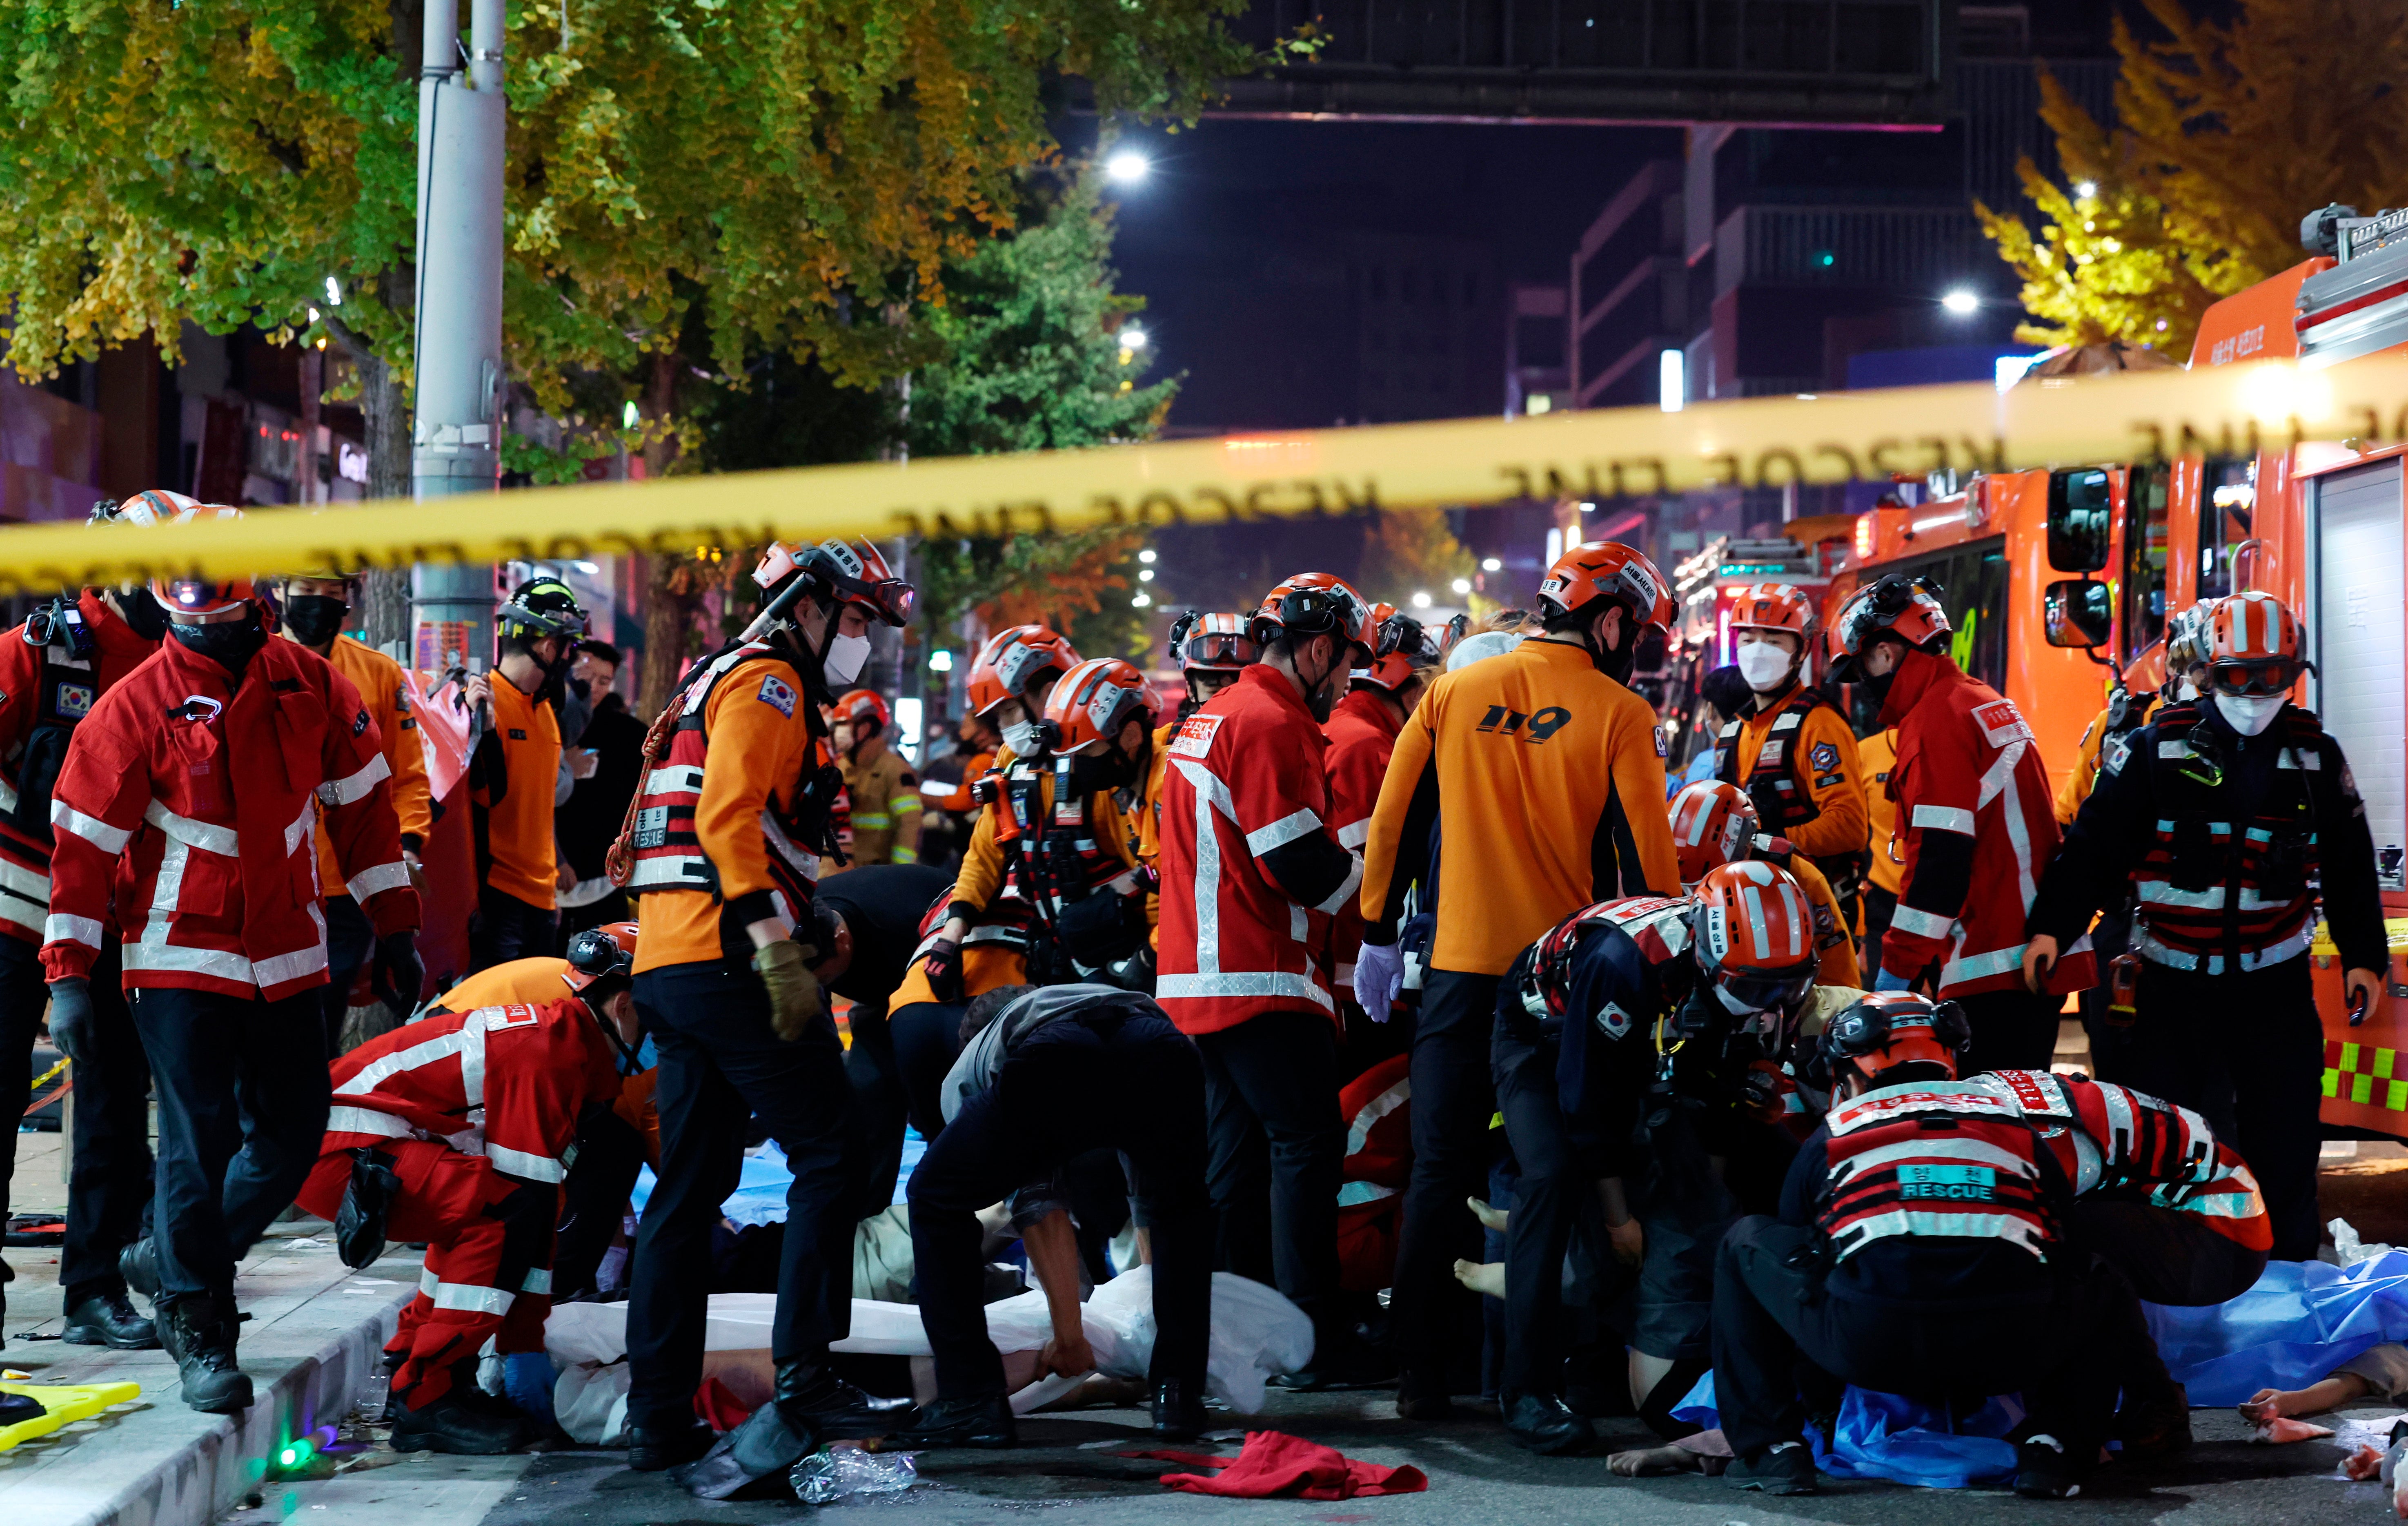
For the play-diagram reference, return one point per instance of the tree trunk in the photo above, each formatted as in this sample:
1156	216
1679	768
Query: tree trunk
670	600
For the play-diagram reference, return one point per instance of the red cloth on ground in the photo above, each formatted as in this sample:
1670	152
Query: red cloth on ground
1275	1465
719	1407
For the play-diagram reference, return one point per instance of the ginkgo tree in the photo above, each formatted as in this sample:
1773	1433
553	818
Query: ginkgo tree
2226	133
794	173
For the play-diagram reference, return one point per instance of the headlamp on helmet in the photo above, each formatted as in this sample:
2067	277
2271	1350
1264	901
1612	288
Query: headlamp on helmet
1887	1030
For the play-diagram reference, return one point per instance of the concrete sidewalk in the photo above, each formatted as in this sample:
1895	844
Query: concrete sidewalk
310	1346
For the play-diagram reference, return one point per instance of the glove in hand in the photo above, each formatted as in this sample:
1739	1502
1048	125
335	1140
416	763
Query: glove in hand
785	969
71	1019
399	974
943	966
1379	974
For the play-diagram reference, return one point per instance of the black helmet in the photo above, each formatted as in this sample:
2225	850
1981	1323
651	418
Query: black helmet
542	607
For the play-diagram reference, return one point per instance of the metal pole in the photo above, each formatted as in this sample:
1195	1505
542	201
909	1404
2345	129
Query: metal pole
456	441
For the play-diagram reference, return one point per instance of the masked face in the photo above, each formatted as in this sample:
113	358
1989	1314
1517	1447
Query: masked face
143	614
2249	715
1765	665
313	619
227	643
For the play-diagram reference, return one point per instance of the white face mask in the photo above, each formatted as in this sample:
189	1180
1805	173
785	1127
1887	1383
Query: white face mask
845	657
1765	666
2250	714
1021	737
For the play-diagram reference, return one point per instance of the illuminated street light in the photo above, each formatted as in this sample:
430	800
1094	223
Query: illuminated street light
1461	586
1140	601
1126	167
940	661
1146	556
2086	189
1134	338
1421	598
1145	574
1492	565
1964	303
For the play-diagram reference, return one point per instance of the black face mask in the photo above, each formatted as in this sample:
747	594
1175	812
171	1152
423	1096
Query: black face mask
143	616
1877	685
313	619
229	643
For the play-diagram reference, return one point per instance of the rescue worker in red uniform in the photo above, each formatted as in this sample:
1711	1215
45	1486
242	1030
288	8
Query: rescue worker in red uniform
185	810
1792	751
1975	824
1250	874
720	850
52	669
1212	650
1542	772
1968	1238
458	1130
311	611
515	776
2231	817
1362	735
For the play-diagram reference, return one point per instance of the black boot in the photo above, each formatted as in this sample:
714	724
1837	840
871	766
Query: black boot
1423	1396
1340	1359
109	1319
651	1451
810	1406
139	1264
1542	1423
1179	1411
960	1422
198	1331
456	1423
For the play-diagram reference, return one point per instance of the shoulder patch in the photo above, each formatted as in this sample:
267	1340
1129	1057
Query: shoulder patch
360	723
76	700
2001	724
2113	755
1195	739
1825	757
778	694
401	699
1663	748
1613	1020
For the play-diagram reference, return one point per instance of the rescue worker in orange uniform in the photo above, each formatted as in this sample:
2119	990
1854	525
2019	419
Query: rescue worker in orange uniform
311	612
879	787
1975	824
1362	734
1251	876
1878	752
1793	751
2235	819
457	1130
723	846
52	670
1715	824
1544	773
184	811
515	777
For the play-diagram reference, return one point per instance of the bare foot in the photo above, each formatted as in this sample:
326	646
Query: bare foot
1490	1218
1482	1276
1643	1460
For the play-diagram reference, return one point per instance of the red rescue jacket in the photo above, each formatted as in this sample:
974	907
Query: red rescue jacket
1362	734
505	1083
189	803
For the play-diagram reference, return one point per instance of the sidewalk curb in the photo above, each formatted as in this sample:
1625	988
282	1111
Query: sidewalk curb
212	1474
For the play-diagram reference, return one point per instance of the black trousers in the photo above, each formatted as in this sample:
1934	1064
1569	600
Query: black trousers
243	1092
505	928
108	1171
1435	1320
1278	1153
1880	906
1067	1091
925	1038
880	1109
2246	1052
1779	1324
593	1200
2012	1030
720	1064
351	938
1554	1195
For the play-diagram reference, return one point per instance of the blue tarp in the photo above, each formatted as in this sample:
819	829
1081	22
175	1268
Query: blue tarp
760	1195
1880	1435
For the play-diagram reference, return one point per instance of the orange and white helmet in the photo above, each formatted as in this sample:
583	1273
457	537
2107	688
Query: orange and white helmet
1400	648
1013	659
1885	1029
1755	937
595	952
1212	643
853	571
1313	604
1712	821
1093	701
1608	569
1776	606
861	705
159	508
2254	646
1908	609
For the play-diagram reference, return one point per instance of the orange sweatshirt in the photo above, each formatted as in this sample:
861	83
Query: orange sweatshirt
378	680
518	819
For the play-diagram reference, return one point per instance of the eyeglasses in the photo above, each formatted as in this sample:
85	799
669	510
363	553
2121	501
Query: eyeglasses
2267	675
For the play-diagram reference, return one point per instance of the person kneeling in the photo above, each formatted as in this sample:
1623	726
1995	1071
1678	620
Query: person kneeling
1047	1075
405	1157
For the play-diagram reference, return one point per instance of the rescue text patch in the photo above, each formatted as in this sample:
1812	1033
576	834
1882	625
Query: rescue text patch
2002	723
778	696
1194	737
1963	1184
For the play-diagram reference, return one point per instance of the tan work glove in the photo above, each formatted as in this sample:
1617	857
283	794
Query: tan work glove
785	969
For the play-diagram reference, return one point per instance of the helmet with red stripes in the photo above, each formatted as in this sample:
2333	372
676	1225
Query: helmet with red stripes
853	571
1400	647
1712	821
1776	606
1013	659
1313	604
1885	1029
1608	569
1755	937
1896	606
1660	925
1093	702
1212	643
859	706
2254	646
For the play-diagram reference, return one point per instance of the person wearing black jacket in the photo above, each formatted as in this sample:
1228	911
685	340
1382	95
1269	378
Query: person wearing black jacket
589	820
872	914
2232	817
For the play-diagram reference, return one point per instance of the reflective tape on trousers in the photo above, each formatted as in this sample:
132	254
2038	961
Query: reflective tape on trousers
1836	437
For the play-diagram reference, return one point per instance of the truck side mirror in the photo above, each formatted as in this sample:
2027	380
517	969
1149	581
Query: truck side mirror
2080	512
2078	613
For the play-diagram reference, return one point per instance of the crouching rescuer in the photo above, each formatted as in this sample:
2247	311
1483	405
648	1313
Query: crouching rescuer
406	1158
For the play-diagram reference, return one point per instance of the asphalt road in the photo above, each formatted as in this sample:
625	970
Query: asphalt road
1475	1475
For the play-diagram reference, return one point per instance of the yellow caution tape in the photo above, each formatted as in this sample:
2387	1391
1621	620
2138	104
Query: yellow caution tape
44	1079
1760	442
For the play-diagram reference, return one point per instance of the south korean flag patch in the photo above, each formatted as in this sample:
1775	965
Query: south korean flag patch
2111	756
778	696
1613	1020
